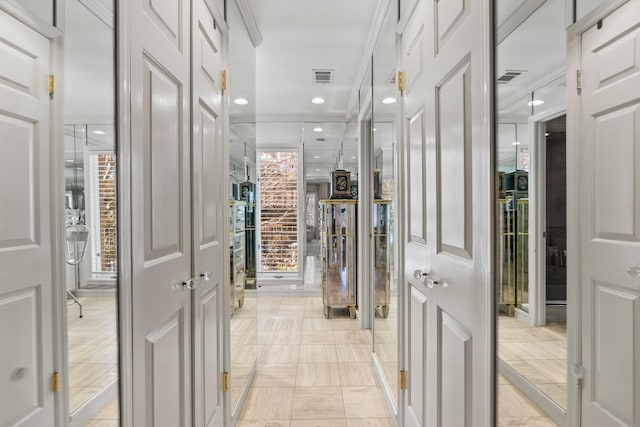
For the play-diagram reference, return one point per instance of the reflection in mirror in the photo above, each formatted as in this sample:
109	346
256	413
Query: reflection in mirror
242	208
385	328
531	214
90	213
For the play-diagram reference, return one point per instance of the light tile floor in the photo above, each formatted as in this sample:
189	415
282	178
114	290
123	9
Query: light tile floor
538	353
514	409
312	371
93	349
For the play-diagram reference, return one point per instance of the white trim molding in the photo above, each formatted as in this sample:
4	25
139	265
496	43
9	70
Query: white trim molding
250	23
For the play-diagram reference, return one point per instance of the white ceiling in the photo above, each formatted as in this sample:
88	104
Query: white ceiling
299	36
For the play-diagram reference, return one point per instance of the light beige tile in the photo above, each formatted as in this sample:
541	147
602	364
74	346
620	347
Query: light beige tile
357	374
276	353
319	423
102	423
268	403
317	375
317	403
364	402
263	423
354	352
311	324
513	404
526	422
317	353
358	336
344	324
370	422
557	393
276	375
317	337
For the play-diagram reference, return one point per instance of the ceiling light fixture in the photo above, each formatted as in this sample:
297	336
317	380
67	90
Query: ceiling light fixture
240	101
318	129
389	100
353	157
318	100
317	170
316	157
99	132
374	129
515	143
535	102
547	134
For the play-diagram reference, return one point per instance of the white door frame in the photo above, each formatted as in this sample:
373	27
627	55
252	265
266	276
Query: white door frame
574	293
537	214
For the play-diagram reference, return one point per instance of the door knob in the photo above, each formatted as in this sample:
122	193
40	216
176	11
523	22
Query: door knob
426	279
634	272
191	283
420	275
206	275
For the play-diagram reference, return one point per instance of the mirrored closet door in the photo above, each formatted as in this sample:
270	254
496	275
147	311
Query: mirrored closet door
530	240
385	295
91	256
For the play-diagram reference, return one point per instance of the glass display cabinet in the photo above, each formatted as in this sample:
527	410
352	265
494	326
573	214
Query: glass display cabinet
338	252
513	241
237	252
382	255
247	194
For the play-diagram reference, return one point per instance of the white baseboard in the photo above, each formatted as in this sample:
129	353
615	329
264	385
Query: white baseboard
93	406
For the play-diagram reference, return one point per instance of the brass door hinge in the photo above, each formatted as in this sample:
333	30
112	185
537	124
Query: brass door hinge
403	380
55	381
52	85
400	81
225	382
223	79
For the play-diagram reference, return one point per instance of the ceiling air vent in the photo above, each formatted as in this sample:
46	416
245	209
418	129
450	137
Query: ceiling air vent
509	75
323	76
320	139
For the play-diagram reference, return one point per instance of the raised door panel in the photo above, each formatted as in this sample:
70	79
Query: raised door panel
21	362
26	286
19	148
210	319
455	363
165	357
450	15
417	352
162	167
209	189
166	16
416	196
454	167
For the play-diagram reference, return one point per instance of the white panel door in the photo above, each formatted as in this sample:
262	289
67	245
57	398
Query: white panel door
609	207
446	57
26	358
210	202
161	215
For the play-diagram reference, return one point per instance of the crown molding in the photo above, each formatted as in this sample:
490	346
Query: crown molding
100	10
249	19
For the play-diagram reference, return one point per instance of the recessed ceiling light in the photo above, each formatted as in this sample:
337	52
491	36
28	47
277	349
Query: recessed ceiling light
99	132
535	102
389	100
316	157
515	143
69	161
240	101
318	129
547	134
353	157
374	129
317	170
318	100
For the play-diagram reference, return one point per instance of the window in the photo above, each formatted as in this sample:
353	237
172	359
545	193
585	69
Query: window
279	234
